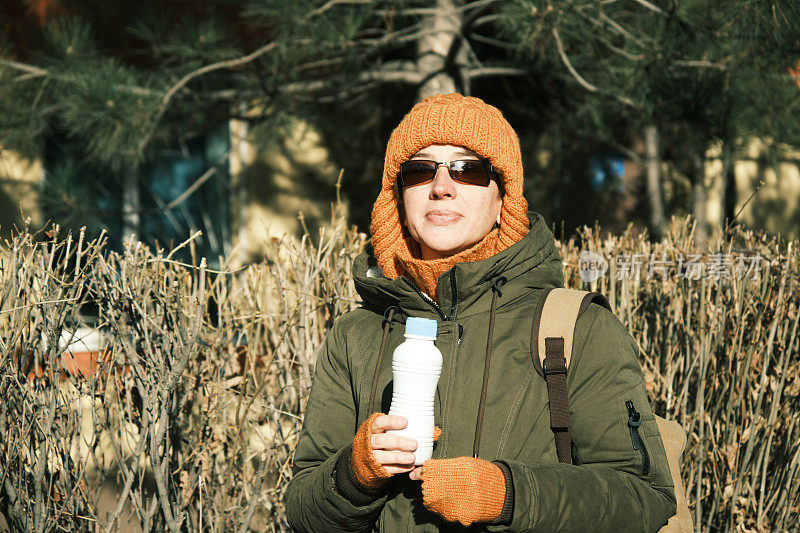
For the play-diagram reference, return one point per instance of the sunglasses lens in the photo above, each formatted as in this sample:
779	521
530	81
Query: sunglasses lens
472	172
417	172
469	171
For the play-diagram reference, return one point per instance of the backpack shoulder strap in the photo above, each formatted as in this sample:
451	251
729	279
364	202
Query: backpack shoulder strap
551	349
674	438
552	335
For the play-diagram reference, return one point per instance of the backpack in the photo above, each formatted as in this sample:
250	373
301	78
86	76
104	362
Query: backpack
553	327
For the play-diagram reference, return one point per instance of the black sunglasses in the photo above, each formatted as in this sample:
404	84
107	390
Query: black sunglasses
470	171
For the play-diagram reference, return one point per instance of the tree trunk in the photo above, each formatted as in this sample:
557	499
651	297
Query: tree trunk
728	194
653	171
441	31
131	204
699	197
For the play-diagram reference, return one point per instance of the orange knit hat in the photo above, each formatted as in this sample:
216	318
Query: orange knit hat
460	121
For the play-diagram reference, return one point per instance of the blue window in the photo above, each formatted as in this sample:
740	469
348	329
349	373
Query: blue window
608	171
76	193
206	209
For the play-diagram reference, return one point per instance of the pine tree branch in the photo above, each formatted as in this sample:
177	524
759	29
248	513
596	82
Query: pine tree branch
622	31
432	10
349	93
382	76
580	79
37	72
598	24
319	63
395	38
564	59
373	78
650	6
489	71
637	57
606	21
700	63
477	5
490	40
412	11
400	37
170	94
620	51
486	19
331	3
32	72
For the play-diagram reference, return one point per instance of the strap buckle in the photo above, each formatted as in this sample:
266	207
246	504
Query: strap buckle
562	368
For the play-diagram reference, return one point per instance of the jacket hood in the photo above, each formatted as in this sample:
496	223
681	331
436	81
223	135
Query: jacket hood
532	262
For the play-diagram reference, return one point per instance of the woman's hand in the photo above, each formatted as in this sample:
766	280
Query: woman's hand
393	452
463	489
376	455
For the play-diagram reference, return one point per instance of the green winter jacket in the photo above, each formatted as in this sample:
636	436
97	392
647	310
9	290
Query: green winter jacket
610	487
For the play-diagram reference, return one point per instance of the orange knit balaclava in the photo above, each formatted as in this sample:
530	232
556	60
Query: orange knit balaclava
460	121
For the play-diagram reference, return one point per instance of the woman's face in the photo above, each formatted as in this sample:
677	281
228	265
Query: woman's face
445	216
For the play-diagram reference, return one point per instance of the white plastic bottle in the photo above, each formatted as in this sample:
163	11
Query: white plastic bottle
416	367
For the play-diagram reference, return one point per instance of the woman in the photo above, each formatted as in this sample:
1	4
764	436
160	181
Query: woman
453	242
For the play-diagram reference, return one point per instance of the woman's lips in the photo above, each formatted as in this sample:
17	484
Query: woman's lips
442	218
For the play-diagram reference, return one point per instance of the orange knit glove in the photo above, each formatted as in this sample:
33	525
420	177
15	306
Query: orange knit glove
368	472
463	489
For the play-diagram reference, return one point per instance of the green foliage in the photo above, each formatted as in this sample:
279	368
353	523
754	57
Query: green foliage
72	199
707	70
99	101
101	109
127	80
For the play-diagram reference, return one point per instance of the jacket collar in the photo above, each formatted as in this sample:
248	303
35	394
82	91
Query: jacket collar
532	262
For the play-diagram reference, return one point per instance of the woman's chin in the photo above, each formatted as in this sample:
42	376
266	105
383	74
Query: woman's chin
437	249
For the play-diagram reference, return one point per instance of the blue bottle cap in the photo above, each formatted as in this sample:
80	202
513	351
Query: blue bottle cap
421	327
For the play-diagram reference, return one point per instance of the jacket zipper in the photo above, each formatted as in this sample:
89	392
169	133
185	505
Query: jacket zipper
430	300
634	422
454	296
453	309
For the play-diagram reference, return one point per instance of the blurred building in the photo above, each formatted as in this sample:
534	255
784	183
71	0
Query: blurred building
240	193
766	191
248	193
237	191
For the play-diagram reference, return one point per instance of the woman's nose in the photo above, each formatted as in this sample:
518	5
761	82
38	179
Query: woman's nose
443	185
